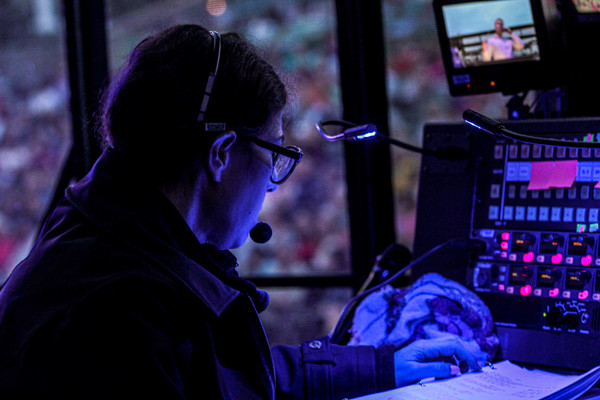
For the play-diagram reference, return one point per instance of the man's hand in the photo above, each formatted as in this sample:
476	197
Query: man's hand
508	30
429	359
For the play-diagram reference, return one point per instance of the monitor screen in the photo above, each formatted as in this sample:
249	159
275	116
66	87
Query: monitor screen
587	6
490	32
584	11
495	45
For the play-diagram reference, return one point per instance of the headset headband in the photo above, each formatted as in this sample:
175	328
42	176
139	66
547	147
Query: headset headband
216	58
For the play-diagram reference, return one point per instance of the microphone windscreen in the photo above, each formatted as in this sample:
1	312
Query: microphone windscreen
261	233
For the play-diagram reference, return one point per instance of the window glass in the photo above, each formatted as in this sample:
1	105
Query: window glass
35	125
308	212
418	94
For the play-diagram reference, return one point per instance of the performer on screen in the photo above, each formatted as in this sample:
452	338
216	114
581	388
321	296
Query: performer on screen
498	47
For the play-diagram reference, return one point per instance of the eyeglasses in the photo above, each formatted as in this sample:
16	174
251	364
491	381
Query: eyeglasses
285	158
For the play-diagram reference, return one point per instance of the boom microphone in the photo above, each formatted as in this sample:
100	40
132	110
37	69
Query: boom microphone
261	233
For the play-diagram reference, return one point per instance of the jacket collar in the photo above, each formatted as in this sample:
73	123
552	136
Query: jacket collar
116	197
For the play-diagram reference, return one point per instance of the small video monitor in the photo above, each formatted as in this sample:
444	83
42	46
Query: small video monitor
498	45
584	11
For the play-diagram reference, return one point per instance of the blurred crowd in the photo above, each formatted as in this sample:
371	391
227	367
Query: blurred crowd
308	213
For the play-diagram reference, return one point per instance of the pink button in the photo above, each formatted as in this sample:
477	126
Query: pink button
505	235
583	295
525	290
553	292
504	245
528	257
587	260
557	258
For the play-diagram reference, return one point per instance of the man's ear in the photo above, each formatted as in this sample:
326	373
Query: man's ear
220	154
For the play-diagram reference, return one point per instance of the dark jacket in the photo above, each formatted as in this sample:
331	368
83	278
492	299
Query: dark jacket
118	300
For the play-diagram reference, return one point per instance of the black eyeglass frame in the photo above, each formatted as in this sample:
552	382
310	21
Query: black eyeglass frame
290	151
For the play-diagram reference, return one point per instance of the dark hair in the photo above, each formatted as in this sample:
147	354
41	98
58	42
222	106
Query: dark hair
150	109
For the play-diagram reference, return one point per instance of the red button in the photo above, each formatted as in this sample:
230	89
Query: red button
587	260
528	257
557	258
525	290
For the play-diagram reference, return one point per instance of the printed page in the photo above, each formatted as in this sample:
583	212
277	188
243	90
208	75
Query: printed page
508	381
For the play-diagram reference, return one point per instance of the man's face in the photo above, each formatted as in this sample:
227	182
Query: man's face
499	26
249	180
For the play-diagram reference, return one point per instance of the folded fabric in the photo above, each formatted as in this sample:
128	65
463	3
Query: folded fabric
431	307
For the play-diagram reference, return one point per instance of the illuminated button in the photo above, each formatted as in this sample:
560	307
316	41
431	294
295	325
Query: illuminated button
512	171
540	259
567	294
544	213
593	215
587	260
596	296
506	236
512	257
553	292
569	260
505	254
519	213
580	214
594	227
508	213
548	152
501	287
584	171
557	258
555	214
493	213
531	213
528	257
525	172
537	292
504	245
486	233
510	290
568	214
595	171
583	295
525	290
525	149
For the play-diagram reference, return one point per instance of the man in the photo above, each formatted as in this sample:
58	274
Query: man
498	47
130	291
